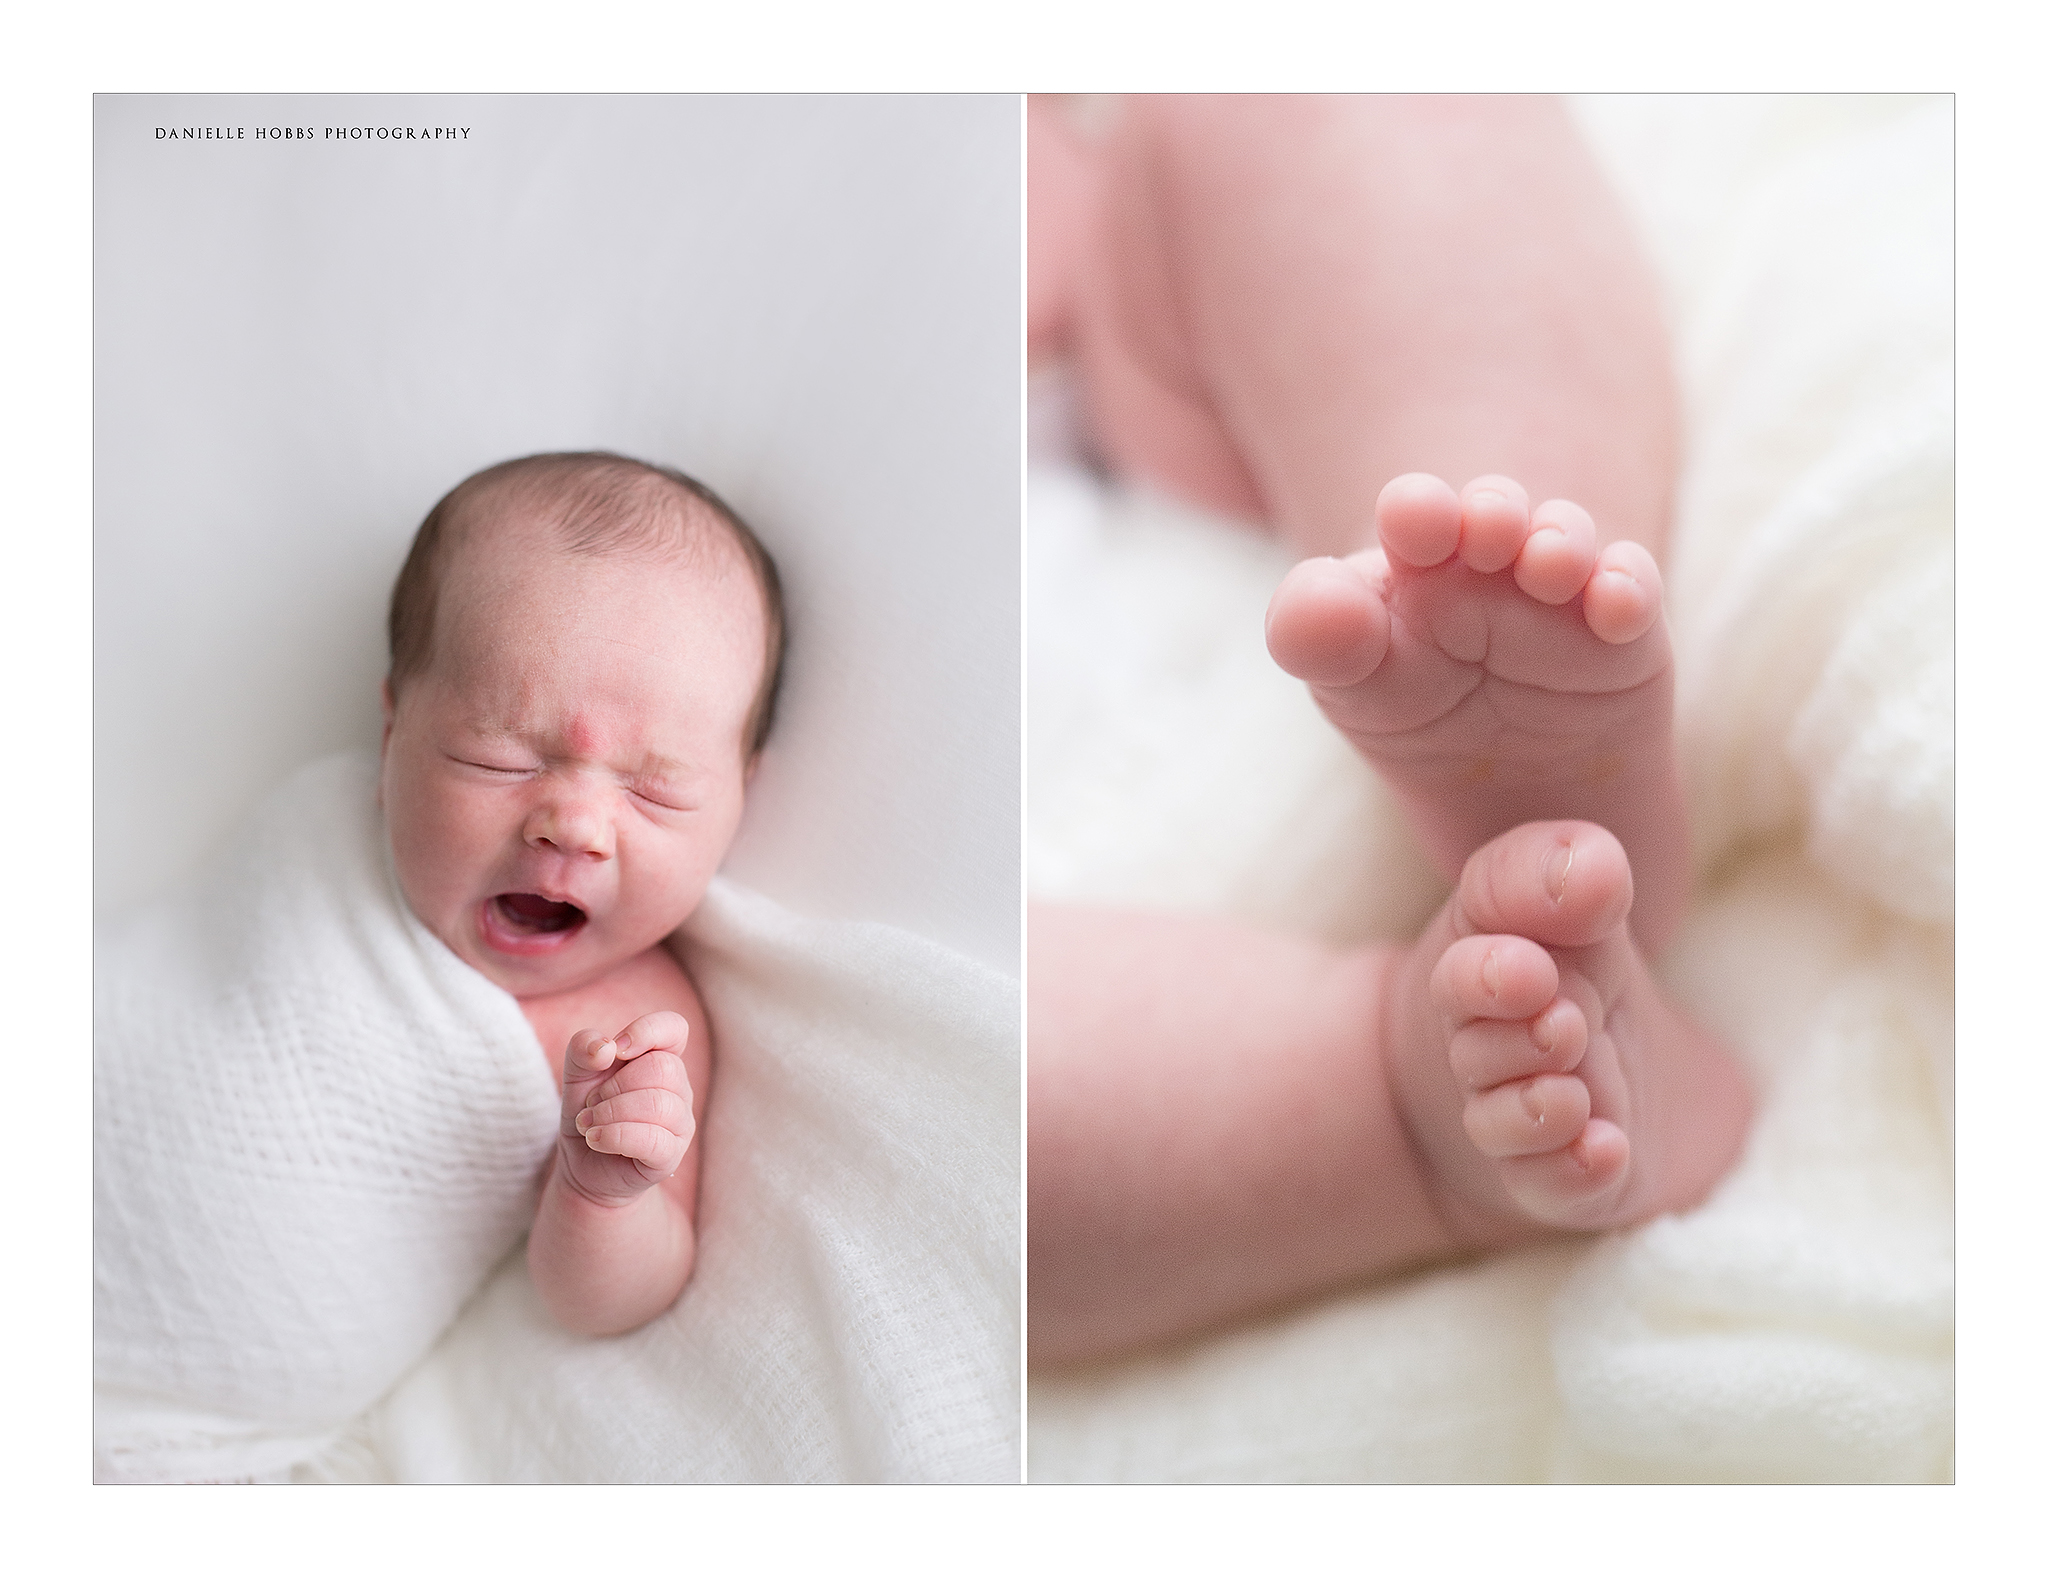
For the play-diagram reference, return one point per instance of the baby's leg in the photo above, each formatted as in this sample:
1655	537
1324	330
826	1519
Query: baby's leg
1283	303
1213	1129
1225	1120
1061	199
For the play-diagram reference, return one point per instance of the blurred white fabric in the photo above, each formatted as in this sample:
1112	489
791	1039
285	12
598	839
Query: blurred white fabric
812	304
1800	1324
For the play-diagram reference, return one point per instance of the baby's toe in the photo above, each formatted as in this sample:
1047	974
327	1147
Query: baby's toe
1493	978
1565	884
1528	1117
1558	554
1489	1052
1419	519
1625	594
1495	523
1568	1187
1327	623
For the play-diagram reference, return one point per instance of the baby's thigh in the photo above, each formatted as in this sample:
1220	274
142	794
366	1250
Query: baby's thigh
1147	397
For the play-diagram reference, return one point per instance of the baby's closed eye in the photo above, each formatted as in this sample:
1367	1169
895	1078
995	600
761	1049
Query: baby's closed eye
496	764
665	794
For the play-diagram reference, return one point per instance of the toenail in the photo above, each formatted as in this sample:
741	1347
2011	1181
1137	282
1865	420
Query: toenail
1557	866
1532	1104
1543	1031
1489	973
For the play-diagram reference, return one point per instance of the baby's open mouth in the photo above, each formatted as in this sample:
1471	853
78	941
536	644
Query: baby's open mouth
534	915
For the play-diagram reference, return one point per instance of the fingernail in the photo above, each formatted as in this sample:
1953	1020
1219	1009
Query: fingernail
582	1121
1532	1104
1489	973
1557	866
1544	1033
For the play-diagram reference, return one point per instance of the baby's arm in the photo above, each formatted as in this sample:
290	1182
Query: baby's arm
1212	1128
615	1238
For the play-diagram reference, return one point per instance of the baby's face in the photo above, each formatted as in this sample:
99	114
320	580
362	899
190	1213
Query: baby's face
563	778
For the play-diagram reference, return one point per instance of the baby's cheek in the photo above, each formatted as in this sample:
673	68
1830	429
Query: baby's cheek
429	849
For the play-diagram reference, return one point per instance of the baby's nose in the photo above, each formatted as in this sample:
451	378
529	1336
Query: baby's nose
571	825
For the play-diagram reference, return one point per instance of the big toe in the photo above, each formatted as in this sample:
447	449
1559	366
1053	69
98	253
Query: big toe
1563	884
1327	623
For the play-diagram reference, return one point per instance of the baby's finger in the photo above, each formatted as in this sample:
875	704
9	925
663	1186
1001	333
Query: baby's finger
652	1070
669	1108
663	1031
659	1151
590	1052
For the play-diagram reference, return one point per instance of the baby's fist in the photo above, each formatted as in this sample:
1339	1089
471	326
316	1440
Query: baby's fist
626	1106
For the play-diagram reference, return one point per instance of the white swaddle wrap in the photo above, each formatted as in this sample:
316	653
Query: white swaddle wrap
854	1311
315	1131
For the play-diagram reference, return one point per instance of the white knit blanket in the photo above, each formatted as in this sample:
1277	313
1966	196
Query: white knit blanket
316	1133
1799	1325
315	1130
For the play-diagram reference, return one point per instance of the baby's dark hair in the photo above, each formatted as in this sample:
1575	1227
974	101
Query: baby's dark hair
598	503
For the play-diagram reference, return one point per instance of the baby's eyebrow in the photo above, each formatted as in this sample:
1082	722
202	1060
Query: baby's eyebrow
495	731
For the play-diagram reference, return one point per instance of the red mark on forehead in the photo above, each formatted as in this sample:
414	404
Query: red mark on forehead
581	735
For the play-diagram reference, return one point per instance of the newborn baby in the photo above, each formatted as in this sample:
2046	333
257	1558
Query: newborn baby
584	656
320	1115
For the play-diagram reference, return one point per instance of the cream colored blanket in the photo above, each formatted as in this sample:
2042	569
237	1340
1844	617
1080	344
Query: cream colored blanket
1800	1324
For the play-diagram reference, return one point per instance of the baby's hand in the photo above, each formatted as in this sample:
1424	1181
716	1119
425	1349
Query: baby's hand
626	1108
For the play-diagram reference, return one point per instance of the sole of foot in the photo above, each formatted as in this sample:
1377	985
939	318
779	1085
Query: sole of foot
1498	666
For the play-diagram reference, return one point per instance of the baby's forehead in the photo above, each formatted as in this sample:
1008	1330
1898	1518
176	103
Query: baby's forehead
517	565
518	538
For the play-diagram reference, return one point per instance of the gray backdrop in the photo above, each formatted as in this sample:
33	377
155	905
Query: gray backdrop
811	302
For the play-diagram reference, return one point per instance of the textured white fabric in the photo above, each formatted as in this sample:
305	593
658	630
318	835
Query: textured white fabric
315	1130
853	1314
1799	1325
316	1133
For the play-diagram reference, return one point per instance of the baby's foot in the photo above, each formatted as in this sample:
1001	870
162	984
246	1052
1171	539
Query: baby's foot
1498	666
1543	1077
